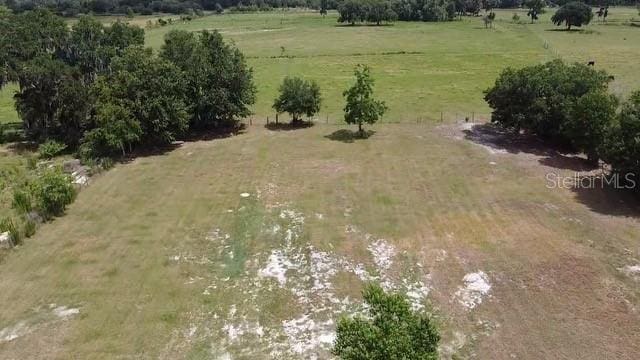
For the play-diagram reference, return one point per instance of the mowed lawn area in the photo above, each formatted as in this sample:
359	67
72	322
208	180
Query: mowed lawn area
251	246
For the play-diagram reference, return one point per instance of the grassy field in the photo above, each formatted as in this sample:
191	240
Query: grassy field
249	247
164	257
422	69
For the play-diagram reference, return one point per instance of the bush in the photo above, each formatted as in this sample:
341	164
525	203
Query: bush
51	149
53	191
392	330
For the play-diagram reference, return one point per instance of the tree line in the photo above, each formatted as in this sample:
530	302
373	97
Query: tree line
569	105
405	10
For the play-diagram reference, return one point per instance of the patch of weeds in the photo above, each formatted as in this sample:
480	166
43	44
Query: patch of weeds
383	199
245	229
169	317
21	201
29	228
8	225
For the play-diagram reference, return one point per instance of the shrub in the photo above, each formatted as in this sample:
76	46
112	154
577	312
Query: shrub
392	331
51	149
53	191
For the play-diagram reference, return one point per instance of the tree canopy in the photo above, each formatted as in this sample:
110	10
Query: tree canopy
575	13
392	331
361	107
219	87
298	97
96	85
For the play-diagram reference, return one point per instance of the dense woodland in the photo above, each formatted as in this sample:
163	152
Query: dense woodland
405	9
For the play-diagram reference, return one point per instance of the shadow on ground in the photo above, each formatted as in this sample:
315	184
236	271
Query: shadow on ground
348	136
289	126
198	135
499	139
607	199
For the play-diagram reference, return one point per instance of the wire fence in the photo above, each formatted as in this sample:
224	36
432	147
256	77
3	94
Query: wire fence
330	119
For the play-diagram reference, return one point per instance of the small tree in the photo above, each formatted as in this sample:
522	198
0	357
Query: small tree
361	107
298	97
392	331
535	7
573	14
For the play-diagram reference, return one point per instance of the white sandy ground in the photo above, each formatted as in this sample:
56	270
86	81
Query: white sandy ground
631	271
475	289
24	327
307	273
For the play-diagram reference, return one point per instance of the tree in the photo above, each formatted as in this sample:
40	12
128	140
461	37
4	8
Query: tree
298	97
535	7
621	147
536	98
392	331
351	11
379	11
588	120
574	13
147	88
116	131
361	107
219	84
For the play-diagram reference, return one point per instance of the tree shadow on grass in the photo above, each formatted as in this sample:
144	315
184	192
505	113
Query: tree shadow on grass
193	136
348	136
289	126
603	198
499	139
364	25
566	30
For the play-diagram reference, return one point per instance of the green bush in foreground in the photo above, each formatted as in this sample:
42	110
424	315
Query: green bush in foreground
392	331
53	191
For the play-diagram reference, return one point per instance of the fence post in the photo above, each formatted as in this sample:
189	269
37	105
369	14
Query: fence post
251	121
441	117
276	118
267	120
327	119
473	116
